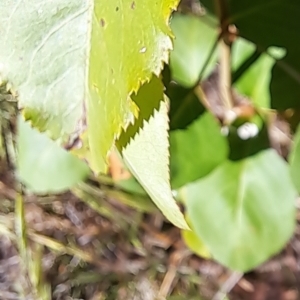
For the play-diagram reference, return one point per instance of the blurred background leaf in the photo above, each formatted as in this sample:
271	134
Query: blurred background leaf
43	166
271	23
294	160
194	242
194	40
196	150
185	106
238	209
255	80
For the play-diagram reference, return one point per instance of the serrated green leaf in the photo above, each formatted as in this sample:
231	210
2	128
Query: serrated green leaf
59	55
147	157
43	166
194	39
42	55
147	100
130	41
294	160
244	211
196	150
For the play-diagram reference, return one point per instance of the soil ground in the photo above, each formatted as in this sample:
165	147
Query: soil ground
115	252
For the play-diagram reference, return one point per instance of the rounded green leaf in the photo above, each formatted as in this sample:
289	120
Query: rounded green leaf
244	211
194	39
43	166
196	150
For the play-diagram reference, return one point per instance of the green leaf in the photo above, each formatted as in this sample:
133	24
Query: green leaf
272	23
294	160
194	242
255	82
194	39
60	55
42	55
130	41
244	211
147	100
185	106
147	157
197	150
43	166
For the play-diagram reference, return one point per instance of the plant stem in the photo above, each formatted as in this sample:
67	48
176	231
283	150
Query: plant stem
225	74
225	54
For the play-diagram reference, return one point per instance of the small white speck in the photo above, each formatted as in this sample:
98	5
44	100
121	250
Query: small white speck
143	50
40	11
247	131
225	130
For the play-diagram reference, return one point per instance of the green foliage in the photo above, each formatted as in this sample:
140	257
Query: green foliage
89	72
43	166
238	209
185	62
147	100
73	56
126	48
259	72
255	82
272	23
196	150
193	241
145	145
147	157
42	55
185	106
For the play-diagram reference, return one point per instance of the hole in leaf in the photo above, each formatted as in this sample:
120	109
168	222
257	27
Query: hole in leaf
102	22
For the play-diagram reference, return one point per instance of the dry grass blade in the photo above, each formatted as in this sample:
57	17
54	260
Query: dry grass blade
31	259
42	289
228	285
20	227
21	238
61	248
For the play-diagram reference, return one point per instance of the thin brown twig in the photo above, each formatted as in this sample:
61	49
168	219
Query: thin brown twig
225	54
228	285
225	74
